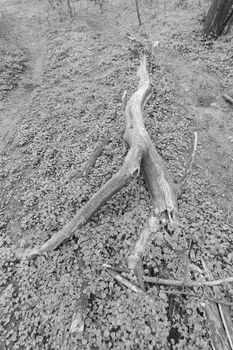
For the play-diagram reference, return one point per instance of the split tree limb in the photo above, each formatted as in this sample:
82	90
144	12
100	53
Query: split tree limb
142	151
161	187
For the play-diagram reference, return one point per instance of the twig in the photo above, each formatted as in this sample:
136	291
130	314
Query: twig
77	322
134	40
217	301
125	282
168	282
115	268
228	98
124	100
224	311
227	323
189	166
139	272
228	213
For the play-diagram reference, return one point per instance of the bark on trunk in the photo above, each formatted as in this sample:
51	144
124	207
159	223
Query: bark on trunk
219	18
138	12
70	10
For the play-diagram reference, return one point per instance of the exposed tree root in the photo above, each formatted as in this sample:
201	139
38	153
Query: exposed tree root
141	152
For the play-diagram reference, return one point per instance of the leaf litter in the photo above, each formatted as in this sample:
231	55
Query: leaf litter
77	102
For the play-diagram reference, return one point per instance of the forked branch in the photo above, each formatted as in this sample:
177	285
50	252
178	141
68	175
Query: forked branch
141	152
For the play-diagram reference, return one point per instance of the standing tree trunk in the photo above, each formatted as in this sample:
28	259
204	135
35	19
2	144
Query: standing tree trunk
138	12
70	10
219	18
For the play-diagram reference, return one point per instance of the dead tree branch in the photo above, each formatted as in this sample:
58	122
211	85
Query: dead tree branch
141	153
197	296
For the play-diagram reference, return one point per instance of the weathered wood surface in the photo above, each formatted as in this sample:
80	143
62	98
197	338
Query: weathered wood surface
141	154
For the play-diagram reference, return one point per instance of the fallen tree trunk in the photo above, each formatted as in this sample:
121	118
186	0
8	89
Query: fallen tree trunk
141	152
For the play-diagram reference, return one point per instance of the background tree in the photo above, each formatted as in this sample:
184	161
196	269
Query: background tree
138	13
70	10
219	18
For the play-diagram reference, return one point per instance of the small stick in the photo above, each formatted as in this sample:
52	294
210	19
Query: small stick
139	272
190	165
124	101
177	283
125	282
228	98
224	312
115	268
134	40
217	301
228	213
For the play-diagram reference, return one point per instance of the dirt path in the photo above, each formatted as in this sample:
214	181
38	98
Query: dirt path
201	95
26	32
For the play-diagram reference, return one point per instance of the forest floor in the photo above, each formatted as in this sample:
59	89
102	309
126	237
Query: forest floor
61	85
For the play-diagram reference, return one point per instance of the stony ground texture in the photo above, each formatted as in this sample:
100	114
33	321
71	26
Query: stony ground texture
61	89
